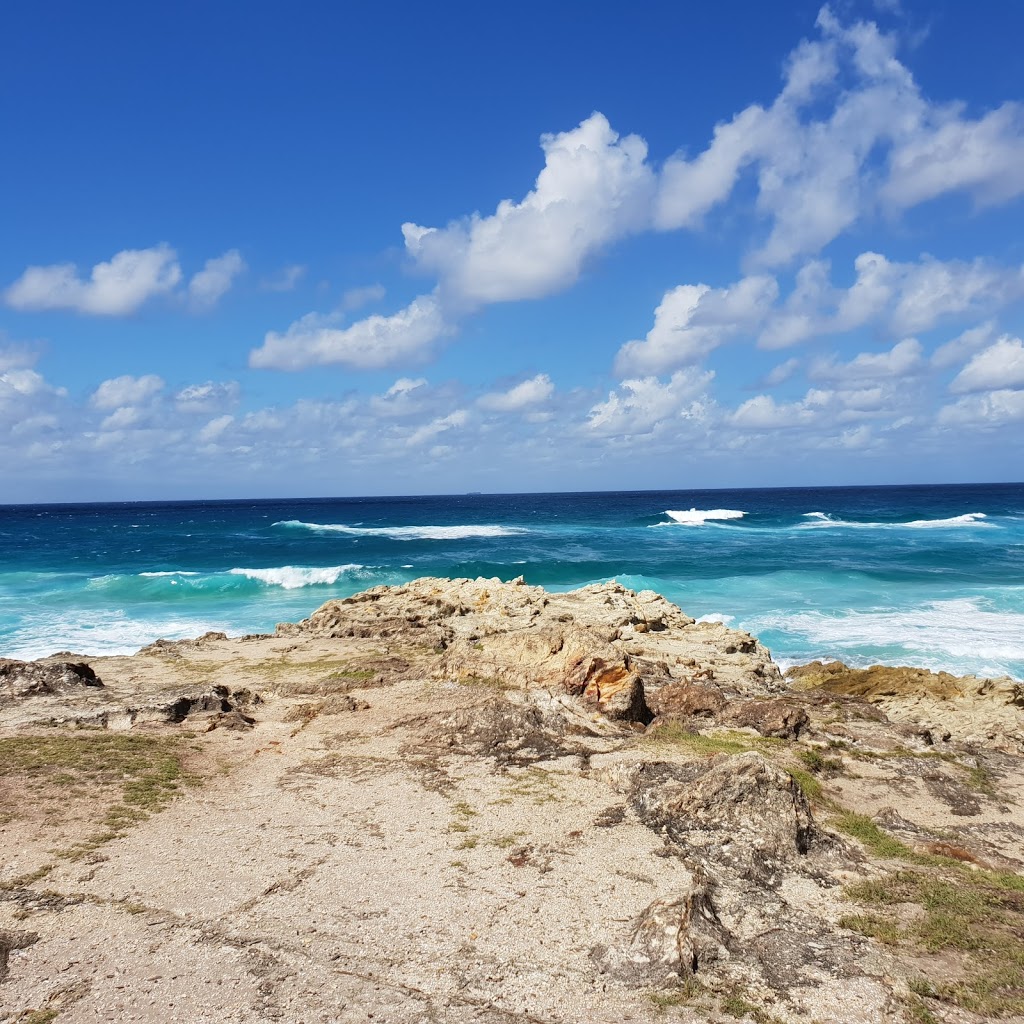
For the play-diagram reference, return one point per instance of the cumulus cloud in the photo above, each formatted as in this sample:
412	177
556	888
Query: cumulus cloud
902	359
849	130
999	366
372	343
691	320
595	188
763	413
642	405
215	279
901	297
115	288
126	390
525	394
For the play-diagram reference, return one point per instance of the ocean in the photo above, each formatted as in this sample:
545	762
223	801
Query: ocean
923	575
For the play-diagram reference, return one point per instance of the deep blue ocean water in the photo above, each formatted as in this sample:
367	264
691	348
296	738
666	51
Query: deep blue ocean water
931	576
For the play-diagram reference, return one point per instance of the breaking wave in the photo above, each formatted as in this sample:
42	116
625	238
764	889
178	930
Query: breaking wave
407	532
291	577
698	516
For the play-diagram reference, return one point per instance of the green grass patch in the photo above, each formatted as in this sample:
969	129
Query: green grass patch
866	832
134	775
977	915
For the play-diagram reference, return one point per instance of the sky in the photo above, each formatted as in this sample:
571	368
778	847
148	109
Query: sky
342	249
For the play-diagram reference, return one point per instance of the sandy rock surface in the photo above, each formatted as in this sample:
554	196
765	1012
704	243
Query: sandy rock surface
477	801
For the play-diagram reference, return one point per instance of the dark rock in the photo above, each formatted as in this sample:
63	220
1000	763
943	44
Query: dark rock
234	721
783	719
35	678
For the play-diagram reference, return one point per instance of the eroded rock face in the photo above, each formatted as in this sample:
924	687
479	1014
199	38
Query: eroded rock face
20	679
610	646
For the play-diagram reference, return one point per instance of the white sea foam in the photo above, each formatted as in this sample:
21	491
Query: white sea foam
970	519
818	520
291	577
109	633
720	617
157	575
698	516
959	634
407	532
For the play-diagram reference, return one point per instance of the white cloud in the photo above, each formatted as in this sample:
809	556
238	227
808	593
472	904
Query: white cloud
902	298
208	396
988	410
405	385
902	359
19	383
126	390
963	345
285	280
691	320
455	419
214	280
950	152
763	413
372	343
595	188
781	373
123	418
529	392
116	288
999	366
849	130
642	405
408	396
215	428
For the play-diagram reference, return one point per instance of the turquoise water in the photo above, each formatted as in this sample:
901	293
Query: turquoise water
932	576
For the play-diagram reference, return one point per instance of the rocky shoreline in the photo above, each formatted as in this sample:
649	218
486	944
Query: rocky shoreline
468	800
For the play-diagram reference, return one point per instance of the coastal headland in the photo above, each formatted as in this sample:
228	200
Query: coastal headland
476	801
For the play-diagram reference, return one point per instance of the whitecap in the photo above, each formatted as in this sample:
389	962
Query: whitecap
407	532
969	519
719	617
697	516
291	577
157	575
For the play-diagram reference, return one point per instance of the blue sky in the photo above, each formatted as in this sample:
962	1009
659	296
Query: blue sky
403	248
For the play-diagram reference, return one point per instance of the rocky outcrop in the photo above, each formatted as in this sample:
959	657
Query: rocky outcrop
986	712
21	679
552	807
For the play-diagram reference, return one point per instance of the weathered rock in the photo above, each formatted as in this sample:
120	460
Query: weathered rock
782	719
512	733
686	700
986	712
739	810
674	938
19	679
